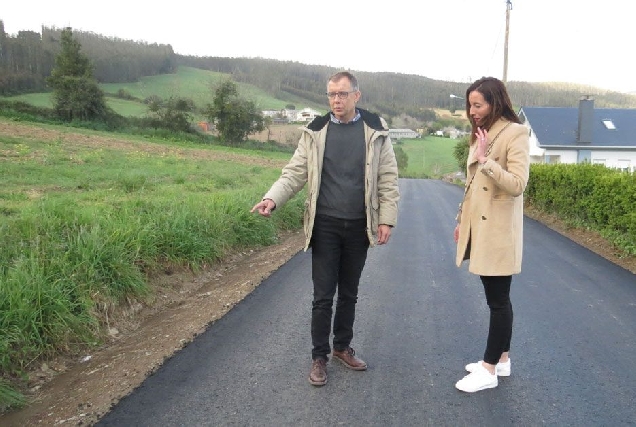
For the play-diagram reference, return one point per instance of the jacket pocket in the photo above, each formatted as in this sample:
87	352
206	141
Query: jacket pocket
375	203
502	197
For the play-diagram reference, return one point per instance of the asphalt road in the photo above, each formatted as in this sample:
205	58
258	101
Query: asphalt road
420	320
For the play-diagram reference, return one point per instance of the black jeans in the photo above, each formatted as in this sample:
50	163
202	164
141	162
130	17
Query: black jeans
339	252
497	290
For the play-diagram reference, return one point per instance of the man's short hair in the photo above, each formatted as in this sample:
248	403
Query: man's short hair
345	75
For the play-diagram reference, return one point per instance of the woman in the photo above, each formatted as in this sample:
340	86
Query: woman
489	232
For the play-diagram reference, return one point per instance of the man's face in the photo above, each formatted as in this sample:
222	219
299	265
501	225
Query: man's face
343	104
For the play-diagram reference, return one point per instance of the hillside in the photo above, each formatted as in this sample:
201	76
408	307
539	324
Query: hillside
198	85
392	93
270	83
187	82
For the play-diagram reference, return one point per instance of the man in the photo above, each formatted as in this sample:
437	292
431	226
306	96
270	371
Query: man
347	159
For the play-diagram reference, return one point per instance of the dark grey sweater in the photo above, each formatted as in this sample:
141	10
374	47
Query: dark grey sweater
342	184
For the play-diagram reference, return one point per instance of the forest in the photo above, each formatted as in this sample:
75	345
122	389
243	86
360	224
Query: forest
27	58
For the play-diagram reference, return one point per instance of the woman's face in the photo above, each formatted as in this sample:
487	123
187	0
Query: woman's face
479	108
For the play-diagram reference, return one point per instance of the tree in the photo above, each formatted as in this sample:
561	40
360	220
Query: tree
175	114
235	118
267	124
76	93
460	152
404	121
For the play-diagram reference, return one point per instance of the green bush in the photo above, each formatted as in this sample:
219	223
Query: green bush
401	157
592	195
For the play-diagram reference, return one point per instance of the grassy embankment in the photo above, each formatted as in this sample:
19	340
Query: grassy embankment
84	220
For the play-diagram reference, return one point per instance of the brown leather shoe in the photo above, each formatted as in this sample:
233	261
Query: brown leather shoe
349	359
318	373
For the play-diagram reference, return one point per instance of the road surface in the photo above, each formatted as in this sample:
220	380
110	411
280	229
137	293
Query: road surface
420	319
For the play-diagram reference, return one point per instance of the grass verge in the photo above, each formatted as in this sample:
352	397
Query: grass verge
86	219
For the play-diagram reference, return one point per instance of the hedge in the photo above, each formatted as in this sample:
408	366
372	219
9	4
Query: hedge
594	196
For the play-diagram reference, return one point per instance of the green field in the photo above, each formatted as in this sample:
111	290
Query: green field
37	99
123	107
192	83
430	157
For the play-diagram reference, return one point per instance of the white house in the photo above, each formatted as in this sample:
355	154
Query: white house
286	115
402	133
272	113
306	115
451	132
277	116
574	135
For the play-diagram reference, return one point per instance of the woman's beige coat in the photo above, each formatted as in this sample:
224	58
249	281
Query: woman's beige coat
381	174
491	218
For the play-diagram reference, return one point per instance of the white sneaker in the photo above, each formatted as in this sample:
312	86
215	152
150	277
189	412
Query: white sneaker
502	369
478	379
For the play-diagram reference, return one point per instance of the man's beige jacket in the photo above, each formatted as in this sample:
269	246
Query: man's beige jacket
381	174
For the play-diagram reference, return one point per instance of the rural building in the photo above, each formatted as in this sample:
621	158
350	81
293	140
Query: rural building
306	115
277	116
273	113
574	135
206	126
402	133
451	132
285	115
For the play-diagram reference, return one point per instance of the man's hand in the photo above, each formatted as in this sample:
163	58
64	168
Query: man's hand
264	207
384	232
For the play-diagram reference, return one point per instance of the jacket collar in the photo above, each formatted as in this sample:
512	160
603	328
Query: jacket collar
370	119
497	127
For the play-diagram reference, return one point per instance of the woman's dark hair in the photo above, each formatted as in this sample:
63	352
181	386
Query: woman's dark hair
494	92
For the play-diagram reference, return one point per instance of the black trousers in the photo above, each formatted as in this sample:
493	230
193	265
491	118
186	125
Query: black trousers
339	252
497	289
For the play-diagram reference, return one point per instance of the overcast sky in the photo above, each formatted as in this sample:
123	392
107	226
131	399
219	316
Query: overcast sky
586	42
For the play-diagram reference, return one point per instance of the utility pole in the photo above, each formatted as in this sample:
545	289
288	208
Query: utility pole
505	70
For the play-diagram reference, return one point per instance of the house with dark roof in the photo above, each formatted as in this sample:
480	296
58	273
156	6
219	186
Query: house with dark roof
574	135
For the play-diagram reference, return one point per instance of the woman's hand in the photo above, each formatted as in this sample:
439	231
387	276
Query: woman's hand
456	233
482	145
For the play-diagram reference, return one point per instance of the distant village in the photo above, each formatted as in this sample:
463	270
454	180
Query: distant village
306	115
557	134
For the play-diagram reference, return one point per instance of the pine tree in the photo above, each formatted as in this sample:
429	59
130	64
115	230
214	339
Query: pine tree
76	92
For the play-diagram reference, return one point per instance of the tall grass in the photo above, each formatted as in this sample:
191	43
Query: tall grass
83	226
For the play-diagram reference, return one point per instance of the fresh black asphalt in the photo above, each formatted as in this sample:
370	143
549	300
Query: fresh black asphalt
420	320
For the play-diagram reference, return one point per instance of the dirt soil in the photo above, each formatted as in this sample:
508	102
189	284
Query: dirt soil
79	389
285	134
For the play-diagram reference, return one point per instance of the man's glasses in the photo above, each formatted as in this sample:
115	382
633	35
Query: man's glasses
340	95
